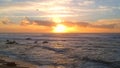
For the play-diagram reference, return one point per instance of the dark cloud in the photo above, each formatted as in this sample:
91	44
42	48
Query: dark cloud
47	26
104	24
109	26
27	21
5	21
114	23
84	24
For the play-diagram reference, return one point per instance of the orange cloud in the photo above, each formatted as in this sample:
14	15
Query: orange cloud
5	20
113	23
37	26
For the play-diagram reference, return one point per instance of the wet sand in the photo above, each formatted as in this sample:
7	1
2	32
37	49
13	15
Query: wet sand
6	62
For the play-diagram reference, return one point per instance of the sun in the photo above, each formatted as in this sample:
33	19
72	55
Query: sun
60	28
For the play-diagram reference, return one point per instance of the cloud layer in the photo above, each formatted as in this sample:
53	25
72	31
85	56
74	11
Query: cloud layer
28	25
79	15
67	9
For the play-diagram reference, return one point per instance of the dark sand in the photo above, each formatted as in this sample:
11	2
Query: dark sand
6	62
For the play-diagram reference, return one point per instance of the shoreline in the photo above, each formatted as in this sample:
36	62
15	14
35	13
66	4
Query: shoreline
6	62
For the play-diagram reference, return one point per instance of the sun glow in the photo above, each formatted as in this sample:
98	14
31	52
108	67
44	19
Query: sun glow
60	28
57	20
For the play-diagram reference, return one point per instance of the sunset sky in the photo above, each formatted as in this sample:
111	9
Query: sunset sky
67	16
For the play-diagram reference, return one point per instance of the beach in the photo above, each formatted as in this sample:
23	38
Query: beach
59	51
6	62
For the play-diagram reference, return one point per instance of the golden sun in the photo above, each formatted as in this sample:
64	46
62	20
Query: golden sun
60	28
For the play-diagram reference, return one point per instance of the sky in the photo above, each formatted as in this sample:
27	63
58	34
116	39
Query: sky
42	15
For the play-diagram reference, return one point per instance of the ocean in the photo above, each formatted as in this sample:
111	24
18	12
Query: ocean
65	50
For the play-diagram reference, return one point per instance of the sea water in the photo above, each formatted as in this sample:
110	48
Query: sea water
75	50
